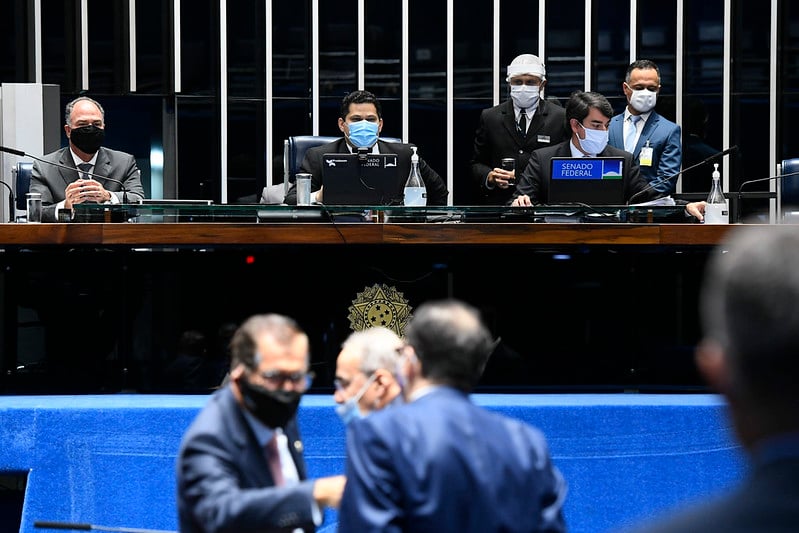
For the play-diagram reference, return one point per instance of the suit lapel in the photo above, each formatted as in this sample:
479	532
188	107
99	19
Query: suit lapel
68	176
509	122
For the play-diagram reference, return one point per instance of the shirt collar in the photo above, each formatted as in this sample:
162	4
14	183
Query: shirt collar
644	116
78	161
576	151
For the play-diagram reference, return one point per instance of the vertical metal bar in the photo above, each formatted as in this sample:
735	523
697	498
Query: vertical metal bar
176	45
37	41
361	54
223	96
132	44
679	74
405	77
587	36
315	66
633	30
495	66
726	92
268	97
84	45
450	94
772	105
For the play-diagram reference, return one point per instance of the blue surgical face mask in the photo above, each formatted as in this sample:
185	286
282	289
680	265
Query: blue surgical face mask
350	410
363	134
595	140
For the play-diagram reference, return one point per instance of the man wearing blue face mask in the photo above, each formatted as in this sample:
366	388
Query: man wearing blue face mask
365	373
513	129
588	115
654	141
361	121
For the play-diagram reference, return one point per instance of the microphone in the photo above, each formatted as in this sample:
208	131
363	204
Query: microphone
20	153
11	202
46	524
362	153
665	179
776	177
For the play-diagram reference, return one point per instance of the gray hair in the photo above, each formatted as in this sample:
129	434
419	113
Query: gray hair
377	348
71	105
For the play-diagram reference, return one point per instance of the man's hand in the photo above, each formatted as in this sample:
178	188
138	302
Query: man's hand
521	201
696	209
82	190
501	178
327	491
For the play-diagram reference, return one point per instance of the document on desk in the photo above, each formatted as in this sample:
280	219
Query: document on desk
666	200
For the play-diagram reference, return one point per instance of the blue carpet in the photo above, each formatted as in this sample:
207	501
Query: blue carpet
109	460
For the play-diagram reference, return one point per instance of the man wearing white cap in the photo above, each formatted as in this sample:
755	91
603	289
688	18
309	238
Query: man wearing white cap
514	128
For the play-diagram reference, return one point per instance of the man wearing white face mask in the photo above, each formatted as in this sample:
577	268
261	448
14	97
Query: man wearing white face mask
361	121
654	141
513	129
587	116
365	373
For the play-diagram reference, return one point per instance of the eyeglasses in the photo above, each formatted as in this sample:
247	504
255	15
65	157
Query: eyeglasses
277	380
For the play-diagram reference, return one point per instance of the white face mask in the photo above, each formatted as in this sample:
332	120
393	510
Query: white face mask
595	140
643	100
524	96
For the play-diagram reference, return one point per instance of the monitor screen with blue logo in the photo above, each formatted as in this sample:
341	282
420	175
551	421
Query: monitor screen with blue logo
586	180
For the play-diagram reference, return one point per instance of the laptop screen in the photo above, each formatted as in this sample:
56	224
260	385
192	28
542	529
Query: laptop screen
352	179
587	180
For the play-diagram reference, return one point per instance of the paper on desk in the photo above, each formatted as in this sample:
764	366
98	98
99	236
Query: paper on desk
665	200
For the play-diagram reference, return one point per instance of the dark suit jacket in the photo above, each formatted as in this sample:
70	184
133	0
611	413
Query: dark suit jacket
442	464
223	478
664	137
51	181
312	163
767	502
497	137
534	181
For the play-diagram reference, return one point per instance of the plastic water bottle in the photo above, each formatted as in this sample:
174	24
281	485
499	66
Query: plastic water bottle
716	210
415	191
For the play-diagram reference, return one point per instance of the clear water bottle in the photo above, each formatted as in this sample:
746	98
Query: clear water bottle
716	210
415	191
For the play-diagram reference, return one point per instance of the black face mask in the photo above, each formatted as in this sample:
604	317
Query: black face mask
273	408
87	138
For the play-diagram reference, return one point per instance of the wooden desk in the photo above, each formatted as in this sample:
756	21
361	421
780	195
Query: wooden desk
208	234
577	305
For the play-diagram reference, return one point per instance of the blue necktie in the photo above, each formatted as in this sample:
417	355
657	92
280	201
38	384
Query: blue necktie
85	167
629	140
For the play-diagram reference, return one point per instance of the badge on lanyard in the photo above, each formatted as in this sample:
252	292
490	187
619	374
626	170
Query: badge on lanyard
645	157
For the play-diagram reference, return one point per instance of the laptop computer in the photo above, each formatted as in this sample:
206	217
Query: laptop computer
586	180
353	179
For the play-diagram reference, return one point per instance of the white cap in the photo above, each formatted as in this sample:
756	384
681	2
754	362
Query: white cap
526	64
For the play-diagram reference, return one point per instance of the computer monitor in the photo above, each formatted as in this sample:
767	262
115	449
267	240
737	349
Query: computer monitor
359	179
586	180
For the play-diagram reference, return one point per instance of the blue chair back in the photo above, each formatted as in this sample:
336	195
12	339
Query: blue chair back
789	186
23	185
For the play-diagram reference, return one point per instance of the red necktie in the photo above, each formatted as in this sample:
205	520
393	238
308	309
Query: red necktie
273	458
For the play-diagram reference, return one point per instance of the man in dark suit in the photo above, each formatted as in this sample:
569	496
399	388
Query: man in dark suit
440	463
240	464
499	133
749	353
588	115
61	188
361	121
654	141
